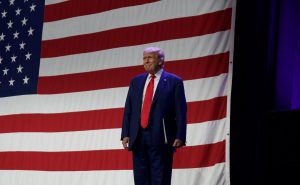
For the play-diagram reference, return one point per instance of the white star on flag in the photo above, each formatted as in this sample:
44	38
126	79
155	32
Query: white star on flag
2	37
19	69
7	47
13	58
18	11
11	82
22	45
32	7
11	2
5	71
30	31
25	80
10	24
24	21
28	56
16	35
3	13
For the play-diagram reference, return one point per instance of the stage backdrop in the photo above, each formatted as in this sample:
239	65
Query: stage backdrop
65	70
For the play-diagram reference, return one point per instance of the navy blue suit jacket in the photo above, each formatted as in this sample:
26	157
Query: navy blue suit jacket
167	120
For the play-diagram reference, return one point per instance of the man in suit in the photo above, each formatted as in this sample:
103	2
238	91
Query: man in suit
154	122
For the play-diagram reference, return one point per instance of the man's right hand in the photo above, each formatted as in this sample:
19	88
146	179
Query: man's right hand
125	142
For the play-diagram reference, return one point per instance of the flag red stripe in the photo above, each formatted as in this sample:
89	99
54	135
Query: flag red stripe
200	156
200	111
76	8
187	157
120	77
207	110
135	35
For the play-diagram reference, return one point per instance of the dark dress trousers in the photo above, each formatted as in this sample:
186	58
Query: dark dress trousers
152	147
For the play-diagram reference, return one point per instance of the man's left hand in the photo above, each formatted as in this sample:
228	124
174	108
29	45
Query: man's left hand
177	143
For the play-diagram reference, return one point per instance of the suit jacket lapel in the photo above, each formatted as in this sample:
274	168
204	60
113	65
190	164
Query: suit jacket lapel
160	87
141	90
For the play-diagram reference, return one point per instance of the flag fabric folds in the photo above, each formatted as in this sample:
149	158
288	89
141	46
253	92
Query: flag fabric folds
65	68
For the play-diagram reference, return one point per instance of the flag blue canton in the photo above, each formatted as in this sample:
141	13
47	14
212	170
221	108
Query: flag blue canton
20	42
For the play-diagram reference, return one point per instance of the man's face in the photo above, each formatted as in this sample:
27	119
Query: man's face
152	63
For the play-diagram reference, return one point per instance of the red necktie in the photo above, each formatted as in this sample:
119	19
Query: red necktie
147	103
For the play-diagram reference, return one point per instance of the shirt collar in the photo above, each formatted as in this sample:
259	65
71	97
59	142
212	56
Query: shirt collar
157	74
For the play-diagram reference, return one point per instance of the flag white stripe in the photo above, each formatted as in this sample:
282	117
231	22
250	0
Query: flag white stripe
213	175
48	2
125	17
105	139
206	132
104	98
177	49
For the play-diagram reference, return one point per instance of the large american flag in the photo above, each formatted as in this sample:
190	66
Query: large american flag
65	67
